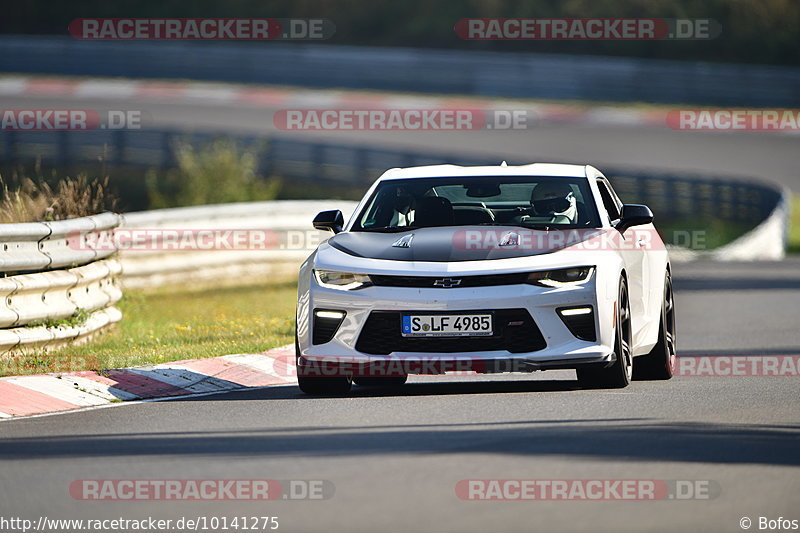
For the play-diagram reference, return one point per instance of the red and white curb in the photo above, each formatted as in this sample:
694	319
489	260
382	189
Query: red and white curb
100	89
168	91
66	391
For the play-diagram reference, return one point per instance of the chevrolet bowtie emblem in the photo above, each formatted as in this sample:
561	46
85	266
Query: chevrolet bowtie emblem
404	241
447	283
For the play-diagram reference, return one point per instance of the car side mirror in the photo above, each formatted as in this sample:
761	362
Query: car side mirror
329	221
634	215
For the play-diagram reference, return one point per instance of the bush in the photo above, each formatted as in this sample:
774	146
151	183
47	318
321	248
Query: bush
218	172
38	201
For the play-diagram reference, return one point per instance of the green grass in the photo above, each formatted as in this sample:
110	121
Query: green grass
701	234
794	227
77	319
161	326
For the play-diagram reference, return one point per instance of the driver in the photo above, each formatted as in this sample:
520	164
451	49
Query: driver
553	202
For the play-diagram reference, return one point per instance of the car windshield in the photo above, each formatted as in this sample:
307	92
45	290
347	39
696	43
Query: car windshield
536	202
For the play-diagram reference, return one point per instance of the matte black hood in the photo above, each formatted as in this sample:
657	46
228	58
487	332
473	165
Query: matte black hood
448	244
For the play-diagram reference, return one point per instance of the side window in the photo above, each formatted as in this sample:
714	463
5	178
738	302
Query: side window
608	200
614	195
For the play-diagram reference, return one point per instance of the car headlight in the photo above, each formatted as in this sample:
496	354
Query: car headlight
344	281
560	277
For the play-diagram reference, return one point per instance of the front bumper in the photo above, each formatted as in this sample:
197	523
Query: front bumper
561	348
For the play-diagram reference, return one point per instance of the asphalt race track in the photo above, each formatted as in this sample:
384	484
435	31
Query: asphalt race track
395	457
748	155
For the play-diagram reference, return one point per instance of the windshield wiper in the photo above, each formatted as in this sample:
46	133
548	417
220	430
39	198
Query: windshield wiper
541	227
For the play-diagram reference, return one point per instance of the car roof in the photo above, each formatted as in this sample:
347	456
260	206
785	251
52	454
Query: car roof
558	170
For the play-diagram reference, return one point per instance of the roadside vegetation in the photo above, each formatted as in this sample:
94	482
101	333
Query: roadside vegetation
168	325
77	319
36	200
705	234
211	173
216	173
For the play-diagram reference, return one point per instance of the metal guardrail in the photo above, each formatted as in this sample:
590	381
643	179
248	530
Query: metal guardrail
35	340
154	268
51	272
37	246
515	75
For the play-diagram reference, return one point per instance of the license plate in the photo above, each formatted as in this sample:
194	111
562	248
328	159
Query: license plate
477	325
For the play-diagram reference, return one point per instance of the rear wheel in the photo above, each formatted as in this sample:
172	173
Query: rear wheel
320	386
618	375
661	361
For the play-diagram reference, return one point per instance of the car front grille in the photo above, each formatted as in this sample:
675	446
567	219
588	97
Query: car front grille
514	331
421	282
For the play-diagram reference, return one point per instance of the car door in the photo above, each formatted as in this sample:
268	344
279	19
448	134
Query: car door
635	259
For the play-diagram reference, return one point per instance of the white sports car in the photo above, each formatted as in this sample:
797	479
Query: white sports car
486	269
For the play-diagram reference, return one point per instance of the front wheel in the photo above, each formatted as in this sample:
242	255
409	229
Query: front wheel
320	386
619	374
660	363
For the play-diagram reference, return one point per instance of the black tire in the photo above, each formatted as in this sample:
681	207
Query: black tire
380	381
660	363
617	375
320	386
